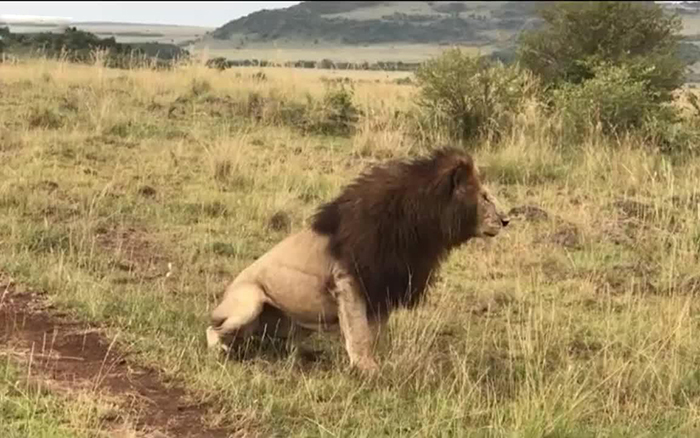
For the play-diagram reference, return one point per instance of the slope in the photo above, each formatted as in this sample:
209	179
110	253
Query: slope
372	22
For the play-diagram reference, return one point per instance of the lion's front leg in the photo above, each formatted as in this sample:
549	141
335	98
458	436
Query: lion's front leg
357	331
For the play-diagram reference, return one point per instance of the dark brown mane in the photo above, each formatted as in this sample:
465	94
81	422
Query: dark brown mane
396	222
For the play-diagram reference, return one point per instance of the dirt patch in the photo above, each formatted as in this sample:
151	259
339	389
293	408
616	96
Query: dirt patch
634	209
618	232
491	304
567	236
135	252
529	213
566	233
623	278
637	216
75	355
280	221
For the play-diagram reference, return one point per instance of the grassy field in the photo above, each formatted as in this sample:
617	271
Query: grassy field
31	408
297	51
131	198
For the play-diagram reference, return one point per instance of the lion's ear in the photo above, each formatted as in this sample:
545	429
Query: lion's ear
462	175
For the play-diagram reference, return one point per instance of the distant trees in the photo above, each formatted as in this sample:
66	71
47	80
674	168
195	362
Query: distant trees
78	46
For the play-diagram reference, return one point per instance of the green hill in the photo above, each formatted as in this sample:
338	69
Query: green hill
374	22
395	31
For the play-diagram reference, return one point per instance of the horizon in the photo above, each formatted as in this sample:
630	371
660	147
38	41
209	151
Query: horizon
204	14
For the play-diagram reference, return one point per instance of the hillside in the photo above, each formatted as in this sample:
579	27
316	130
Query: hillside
374	31
374	22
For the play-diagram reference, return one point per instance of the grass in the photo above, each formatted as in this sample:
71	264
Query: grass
30	408
581	324
292	50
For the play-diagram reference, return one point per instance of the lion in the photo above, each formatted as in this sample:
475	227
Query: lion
371	250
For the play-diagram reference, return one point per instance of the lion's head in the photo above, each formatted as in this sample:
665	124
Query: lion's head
396	222
492	216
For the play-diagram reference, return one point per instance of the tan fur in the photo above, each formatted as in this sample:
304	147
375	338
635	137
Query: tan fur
299	286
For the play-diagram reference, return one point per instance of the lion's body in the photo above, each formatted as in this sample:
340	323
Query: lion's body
369	251
293	276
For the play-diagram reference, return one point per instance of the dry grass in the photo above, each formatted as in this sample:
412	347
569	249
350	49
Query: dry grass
582	323
282	52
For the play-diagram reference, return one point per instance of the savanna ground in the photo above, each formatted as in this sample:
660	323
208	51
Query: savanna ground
296	51
130	198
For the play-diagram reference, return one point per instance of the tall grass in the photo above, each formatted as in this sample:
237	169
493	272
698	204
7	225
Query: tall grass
582	323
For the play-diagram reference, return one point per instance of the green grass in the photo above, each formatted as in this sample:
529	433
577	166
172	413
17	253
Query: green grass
102	193
29	408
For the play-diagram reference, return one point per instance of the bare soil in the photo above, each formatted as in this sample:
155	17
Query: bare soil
74	354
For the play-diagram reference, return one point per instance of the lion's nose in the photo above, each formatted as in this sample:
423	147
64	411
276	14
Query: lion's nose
505	221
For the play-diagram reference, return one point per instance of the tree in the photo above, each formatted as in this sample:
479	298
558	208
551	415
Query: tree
578	36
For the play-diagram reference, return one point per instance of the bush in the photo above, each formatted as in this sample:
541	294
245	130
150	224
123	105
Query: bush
219	63
677	139
45	117
336	114
615	100
579	35
200	87
617	103
472	96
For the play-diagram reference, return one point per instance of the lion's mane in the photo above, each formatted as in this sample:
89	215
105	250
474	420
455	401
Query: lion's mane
392	227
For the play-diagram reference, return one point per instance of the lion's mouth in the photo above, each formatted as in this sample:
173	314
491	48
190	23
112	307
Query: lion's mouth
490	233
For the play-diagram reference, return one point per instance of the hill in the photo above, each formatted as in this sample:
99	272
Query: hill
403	31
375	22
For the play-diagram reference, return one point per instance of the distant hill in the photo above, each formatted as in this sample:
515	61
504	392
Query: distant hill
330	26
477	23
376	22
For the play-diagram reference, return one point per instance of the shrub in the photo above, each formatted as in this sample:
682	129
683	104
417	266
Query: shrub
199	87
616	102
678	138
45	117
472	96
615	99
219	63
579	35
336	114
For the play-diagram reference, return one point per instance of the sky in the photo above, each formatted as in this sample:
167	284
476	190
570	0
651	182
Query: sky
211	14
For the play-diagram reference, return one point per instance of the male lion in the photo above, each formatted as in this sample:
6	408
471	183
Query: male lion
369	251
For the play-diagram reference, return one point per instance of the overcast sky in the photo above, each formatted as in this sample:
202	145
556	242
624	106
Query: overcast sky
199	13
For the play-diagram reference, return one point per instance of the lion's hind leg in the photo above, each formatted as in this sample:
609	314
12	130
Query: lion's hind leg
236	316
